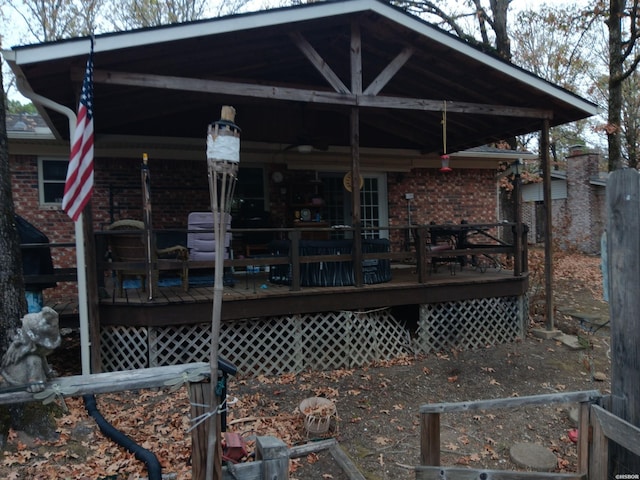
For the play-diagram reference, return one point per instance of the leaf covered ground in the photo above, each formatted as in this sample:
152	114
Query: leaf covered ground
377	422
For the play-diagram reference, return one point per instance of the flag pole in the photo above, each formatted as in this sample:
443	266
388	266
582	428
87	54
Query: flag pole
83	299
78	190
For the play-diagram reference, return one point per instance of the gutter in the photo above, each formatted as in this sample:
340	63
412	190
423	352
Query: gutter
25	89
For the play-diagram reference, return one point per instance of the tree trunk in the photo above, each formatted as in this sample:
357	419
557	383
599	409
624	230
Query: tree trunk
13	304
34	418
614	132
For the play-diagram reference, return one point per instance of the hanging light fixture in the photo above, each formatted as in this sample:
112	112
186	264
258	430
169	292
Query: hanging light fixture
444	158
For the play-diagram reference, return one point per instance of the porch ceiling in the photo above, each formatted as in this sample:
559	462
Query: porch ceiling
171	81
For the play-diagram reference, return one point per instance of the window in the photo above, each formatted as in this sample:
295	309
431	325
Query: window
249	200
52	174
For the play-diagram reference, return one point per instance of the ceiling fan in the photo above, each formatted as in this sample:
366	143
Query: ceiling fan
306	145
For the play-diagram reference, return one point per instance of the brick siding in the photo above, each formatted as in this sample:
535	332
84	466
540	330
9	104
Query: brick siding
180	187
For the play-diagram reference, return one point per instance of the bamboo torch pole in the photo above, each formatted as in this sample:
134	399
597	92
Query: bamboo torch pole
223	158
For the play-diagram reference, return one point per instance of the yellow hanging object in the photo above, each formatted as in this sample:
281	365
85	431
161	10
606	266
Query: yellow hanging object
444	157
444	129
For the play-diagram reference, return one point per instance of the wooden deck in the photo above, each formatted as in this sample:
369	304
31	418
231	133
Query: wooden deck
254	296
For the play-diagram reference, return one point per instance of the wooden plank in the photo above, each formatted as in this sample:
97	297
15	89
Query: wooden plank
243	471
343	460
618	430
430	439
583	437
389	71
199	395
569	397
109	382
623	261
318	62
446	473
275	458
598	449
311	447
276	92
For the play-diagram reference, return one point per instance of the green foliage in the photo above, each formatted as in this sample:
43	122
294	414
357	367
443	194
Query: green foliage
14	106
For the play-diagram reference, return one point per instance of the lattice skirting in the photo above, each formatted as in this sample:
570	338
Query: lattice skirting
270	346
468	324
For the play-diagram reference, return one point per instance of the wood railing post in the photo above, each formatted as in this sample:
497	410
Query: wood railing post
274	455
430	439
583	437
598	449
294	256
421	254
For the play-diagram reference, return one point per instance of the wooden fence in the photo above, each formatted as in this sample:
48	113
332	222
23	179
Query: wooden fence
596	426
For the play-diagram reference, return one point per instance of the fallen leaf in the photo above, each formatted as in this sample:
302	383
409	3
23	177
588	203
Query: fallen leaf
493	381
452	379
488	369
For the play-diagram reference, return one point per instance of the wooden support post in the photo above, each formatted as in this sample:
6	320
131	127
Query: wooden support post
274	455
623	255
583	436
421	254
199	394
294	257
548	229
430	439
598	449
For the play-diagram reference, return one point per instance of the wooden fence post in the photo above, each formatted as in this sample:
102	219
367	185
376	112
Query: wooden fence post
430	439
274	455
199	394
623	255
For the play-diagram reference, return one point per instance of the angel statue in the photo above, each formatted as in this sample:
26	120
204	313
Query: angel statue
25	362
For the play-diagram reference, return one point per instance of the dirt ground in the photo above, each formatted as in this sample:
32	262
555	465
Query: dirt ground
377	422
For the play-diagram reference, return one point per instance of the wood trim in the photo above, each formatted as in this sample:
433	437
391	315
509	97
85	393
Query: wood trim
281	92
389	71
317	61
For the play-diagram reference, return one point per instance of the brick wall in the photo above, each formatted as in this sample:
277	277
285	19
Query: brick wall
582	209
180	187
459	195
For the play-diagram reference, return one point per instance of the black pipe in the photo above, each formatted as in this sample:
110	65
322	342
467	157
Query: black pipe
151	461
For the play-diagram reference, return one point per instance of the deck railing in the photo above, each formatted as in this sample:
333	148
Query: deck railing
426	246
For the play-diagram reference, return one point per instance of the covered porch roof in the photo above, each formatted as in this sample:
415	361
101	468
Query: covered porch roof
294	76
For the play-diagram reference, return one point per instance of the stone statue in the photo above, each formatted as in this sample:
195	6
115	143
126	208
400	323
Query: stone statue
25	362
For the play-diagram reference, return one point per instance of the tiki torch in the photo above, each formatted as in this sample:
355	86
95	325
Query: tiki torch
223	159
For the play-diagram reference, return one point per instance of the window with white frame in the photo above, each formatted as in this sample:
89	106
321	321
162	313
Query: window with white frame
52	173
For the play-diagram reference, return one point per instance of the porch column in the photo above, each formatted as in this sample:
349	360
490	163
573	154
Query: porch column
356	89
548	234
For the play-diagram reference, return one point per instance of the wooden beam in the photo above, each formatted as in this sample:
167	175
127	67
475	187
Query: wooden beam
110	382
355	59
439	473
389	71
545	158
317	61
275	92
511	402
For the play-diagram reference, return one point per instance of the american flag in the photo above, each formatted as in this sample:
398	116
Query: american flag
79	184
